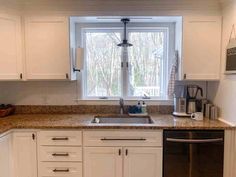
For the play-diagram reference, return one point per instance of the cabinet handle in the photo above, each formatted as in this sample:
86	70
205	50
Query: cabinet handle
61	154
61	170
21	75
60	139
119	152
123	139
33	136
126	152
67	76
185	76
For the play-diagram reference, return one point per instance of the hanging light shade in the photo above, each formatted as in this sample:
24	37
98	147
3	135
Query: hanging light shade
125	42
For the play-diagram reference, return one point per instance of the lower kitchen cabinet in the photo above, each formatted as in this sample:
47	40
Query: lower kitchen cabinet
140	162
127	162
103	162
5	156
24	154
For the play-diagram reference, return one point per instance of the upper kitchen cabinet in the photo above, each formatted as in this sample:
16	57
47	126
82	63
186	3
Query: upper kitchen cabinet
10	48
201	48
47	48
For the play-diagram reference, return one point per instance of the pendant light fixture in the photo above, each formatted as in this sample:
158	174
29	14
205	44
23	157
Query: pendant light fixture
125	42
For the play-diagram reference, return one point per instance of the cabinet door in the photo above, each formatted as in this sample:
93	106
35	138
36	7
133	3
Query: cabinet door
47	48
201	48
5	157
102	162
10	48
24	154
140	162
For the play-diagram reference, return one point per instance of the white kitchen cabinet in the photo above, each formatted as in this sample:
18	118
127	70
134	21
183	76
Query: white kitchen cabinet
5	156
201	48
140	162
102	162
24	154
133	154
47	48
11	65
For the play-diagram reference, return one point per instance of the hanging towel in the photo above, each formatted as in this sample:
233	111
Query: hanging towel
173	75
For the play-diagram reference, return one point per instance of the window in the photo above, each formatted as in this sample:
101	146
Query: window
136	72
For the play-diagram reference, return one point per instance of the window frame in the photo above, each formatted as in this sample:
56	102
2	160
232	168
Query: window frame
169	29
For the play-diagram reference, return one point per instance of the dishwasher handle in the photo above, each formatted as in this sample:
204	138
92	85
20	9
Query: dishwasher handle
177	140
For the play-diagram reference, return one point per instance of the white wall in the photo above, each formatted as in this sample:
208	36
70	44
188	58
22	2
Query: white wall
63	93
225	91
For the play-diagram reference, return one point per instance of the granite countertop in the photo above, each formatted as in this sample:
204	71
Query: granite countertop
82	121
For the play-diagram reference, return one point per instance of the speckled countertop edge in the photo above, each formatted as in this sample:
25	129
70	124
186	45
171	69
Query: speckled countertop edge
83	121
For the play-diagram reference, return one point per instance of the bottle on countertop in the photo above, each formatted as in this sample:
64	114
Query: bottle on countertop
144	108
139	107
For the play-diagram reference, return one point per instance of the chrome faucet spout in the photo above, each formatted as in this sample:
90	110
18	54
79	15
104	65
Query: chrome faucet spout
121	102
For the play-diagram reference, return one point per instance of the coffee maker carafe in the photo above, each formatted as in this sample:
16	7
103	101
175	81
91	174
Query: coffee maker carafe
192	92
180	101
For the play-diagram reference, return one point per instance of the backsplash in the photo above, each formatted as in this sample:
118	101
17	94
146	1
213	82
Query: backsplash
86	109
59	93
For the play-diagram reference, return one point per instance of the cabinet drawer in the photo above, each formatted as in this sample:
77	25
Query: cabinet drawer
60	169
123	138
57	153
60	138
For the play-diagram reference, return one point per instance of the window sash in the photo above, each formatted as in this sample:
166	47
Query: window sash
85	72
164	65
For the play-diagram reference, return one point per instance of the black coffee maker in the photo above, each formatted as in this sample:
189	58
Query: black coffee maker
192	102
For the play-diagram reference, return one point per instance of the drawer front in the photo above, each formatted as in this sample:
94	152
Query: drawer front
60	169
122	138
60	138
62	154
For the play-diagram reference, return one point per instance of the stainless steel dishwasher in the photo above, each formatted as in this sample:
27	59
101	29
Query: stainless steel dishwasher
193	153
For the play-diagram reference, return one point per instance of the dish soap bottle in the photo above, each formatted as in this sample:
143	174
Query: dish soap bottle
139	107
144	108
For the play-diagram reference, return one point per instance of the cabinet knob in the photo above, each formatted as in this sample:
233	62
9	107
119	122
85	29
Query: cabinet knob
67	76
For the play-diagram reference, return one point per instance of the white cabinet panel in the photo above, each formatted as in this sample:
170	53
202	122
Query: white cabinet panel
47	48
60	169
60	154
5	156
140	162
201	48
122	138
102	162
10	48
24	154
60	138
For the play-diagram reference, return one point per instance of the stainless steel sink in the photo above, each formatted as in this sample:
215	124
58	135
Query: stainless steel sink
122	120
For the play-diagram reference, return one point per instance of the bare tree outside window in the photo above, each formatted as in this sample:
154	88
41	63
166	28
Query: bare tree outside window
146	70
103	59
146	58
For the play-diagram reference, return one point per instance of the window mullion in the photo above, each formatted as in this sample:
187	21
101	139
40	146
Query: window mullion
124	72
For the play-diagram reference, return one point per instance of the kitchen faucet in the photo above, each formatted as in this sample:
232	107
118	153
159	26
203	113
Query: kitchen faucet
121	102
